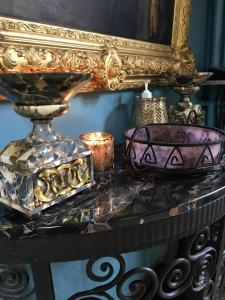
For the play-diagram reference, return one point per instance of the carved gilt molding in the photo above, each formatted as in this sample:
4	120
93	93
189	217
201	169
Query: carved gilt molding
116	63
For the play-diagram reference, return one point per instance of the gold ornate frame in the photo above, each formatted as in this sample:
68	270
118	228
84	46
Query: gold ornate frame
116	63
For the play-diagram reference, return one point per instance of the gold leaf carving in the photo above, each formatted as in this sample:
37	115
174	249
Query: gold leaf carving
184	61
115	74
55	182
116	63
138	65
9	24
181	23
35	59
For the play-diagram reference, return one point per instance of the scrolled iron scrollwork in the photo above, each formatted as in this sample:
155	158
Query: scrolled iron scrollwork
193	271
109	271
144	288
105	267
215	232
142	282
174	279
197	247
208	292
14	282
219	284
203	270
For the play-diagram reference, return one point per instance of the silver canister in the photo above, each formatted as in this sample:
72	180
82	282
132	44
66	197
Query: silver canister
146	111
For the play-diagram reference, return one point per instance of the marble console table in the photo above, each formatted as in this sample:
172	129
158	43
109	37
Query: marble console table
124	212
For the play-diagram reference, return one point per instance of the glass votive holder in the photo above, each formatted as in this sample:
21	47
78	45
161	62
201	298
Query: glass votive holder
101	144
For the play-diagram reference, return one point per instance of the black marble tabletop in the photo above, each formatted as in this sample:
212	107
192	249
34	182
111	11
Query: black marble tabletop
120	197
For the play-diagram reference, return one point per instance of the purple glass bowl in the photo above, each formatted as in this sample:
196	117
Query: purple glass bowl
174	147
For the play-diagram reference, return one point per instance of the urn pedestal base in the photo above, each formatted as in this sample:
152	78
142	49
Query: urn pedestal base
36	176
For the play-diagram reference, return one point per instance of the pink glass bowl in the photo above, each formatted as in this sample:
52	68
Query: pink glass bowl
174	147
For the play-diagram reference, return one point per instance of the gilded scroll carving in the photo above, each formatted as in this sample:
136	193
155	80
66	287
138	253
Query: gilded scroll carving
184	60
181	23
116	63
114	69
109	69
35	28
138	65
36	59
26	59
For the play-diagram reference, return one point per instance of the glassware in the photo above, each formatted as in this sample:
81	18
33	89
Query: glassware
101	145
173	148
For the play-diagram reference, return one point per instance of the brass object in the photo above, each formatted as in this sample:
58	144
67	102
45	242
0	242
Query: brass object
55	182
190	115
185	112
146	111
116	63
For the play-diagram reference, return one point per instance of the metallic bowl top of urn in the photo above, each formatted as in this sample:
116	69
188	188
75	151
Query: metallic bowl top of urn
41	95
41	88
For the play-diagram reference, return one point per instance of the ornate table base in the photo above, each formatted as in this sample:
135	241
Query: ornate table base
196	271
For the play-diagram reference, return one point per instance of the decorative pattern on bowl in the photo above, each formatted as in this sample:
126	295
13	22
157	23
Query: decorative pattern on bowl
174	148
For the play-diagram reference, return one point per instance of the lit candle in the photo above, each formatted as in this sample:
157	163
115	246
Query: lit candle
101	145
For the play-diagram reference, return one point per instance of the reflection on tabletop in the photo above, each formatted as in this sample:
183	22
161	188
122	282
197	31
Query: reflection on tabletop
119	198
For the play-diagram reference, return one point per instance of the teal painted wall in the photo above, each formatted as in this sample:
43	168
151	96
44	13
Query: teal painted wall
199	29
89	112
201	33
106	111
207	40
73	270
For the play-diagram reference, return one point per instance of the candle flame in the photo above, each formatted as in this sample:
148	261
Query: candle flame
96	136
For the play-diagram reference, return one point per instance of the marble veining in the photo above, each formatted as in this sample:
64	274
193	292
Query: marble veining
44	168
41	88
21	162
27	157
119	198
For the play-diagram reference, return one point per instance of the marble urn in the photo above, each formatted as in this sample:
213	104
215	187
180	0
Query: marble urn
185	112
44	168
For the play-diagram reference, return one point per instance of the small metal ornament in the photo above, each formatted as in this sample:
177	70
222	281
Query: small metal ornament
146	111
185	112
